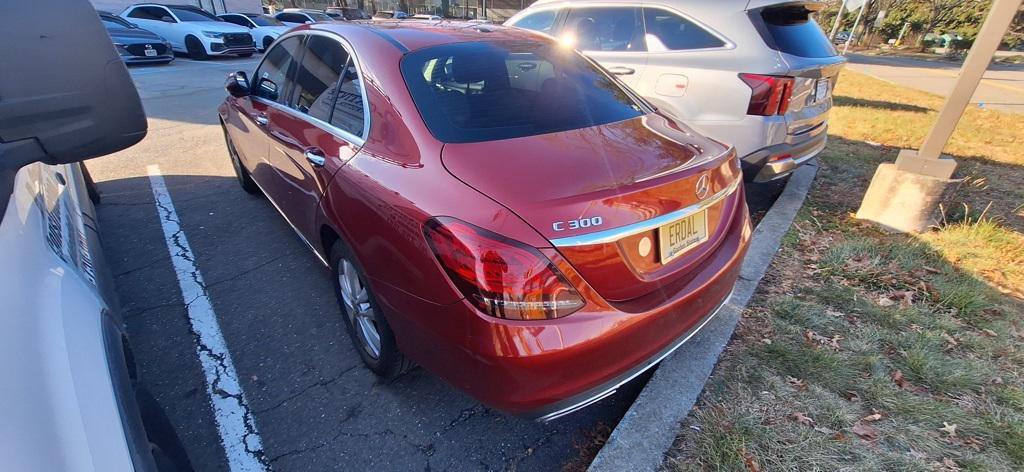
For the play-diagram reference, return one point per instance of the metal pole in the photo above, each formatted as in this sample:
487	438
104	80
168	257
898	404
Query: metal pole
903	31
853	32
835	24
985	45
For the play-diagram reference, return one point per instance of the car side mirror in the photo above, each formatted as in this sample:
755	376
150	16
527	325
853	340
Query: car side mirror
166	19
308	22
50	116
237	84
268	89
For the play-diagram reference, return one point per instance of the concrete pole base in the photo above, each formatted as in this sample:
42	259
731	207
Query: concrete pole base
903	201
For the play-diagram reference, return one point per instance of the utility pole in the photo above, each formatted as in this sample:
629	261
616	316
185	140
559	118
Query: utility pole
903	196
853	32
835	24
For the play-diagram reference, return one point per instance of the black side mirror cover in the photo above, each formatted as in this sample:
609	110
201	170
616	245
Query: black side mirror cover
237	84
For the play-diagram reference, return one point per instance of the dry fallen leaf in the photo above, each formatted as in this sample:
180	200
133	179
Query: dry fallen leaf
751	462
951	342
851	396
897	378
865	432
796	383
885	301
948	429
802	419
989	332
815	338
872	417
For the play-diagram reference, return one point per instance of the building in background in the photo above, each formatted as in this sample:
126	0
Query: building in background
212	6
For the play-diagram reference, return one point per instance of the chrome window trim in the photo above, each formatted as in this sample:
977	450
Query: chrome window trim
615	234
356	140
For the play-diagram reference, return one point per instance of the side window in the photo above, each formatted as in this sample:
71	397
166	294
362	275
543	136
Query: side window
606	28
291	18
348	108
272	76
149	13
542	21
316	83
236	19
677	33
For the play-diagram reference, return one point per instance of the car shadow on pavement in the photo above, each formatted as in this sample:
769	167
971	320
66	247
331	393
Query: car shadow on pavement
840	100
315	406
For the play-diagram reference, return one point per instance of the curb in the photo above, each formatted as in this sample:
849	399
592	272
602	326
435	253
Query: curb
650	426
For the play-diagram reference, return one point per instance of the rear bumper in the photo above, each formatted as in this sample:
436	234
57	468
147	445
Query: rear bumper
780	160
547	369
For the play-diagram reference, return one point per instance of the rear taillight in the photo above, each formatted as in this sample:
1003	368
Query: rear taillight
501	277
770	94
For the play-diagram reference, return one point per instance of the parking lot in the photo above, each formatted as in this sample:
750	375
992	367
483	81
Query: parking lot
310	403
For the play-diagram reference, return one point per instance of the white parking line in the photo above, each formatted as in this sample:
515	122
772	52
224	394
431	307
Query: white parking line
235	423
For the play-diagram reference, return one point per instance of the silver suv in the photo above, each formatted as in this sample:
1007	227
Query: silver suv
757	75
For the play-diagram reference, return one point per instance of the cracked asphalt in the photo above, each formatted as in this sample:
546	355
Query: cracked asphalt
314	404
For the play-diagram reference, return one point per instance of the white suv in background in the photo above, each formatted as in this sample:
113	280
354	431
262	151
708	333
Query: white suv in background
192	30
299	16
757	75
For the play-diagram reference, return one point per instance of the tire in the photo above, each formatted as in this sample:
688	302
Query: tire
195	48
244	178
267	42
248	54
362	313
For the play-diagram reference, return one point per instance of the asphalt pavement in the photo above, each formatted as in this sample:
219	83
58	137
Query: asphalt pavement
310	400
1001	88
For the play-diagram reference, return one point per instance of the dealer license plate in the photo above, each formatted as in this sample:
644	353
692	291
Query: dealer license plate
681	235
151	52
821	90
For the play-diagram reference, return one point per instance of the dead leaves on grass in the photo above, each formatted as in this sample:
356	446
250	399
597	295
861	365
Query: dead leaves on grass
816	339
865	432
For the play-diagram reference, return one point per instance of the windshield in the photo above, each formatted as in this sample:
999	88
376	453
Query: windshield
192	14
317	16
264	20
476	91
114	23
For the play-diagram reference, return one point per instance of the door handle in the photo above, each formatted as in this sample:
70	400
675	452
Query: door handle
619	70
262	120
315	157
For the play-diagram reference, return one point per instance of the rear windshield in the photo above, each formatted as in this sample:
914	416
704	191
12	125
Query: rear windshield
484	91
793	31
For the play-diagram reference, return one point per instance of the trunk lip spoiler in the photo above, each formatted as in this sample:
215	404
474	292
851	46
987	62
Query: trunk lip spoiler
615	234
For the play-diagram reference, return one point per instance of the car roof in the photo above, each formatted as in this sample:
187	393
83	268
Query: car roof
411	36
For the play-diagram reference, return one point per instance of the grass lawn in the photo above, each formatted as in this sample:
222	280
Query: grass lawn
865	350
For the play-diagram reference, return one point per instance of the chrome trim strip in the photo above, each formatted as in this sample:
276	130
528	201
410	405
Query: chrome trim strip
649	363
614	234
357	140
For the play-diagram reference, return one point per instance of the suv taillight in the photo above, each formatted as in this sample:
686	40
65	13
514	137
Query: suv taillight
501	277
770	94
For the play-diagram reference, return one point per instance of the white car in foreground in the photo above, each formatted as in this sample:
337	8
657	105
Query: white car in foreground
192	30
264	28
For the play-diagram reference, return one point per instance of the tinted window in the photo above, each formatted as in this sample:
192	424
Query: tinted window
193	14
317	16
792	30
474	91
677	33
264	20
541	21
606	29
149	13
236	19
277	67
348	109
292	17
317	79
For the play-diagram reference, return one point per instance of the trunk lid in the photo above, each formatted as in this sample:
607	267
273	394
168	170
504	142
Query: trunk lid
596	192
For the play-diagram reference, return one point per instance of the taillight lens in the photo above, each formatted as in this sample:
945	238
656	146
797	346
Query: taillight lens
501	277
770	94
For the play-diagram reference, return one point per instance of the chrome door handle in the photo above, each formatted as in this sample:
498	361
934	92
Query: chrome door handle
621	70
262	120
315	157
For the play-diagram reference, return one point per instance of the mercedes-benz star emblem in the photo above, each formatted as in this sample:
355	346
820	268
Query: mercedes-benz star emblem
703	186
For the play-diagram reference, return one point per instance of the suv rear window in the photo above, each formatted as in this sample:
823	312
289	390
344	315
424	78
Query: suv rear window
485	91
791	30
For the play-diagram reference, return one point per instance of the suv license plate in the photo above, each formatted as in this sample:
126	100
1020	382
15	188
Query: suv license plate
820	90
681	235
151	52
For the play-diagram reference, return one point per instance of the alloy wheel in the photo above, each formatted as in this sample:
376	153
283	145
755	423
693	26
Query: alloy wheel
358	308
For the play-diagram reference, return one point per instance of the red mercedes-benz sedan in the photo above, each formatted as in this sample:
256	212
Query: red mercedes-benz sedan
493	205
